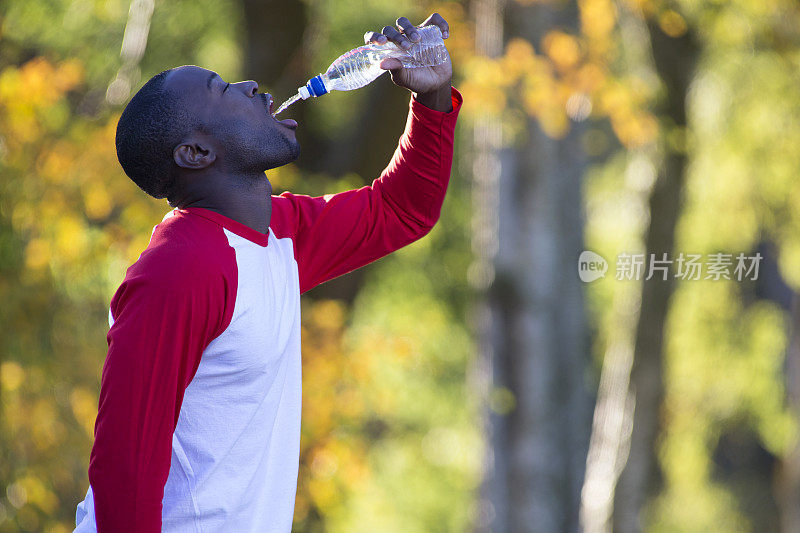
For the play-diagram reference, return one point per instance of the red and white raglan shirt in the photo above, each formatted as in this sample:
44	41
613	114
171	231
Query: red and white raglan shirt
199	421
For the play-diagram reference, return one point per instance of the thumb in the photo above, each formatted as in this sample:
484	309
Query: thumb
391	63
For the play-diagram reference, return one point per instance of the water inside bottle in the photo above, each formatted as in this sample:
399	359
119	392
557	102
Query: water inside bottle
287	103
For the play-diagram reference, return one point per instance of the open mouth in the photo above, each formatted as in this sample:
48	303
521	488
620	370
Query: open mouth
268	103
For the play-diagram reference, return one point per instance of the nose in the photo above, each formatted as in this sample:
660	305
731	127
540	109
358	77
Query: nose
250	88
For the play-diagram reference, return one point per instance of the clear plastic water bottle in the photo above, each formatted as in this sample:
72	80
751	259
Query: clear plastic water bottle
361	66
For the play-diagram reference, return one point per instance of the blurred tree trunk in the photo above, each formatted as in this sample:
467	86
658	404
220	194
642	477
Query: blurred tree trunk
674	59
273	41
536	334
788	478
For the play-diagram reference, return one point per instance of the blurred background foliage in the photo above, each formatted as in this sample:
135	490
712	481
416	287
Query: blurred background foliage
397	407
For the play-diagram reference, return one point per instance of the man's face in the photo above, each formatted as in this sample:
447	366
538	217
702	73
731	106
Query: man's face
237	117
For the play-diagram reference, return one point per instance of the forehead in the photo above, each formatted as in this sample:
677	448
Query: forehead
189	77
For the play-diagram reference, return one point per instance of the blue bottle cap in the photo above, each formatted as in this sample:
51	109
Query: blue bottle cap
315	86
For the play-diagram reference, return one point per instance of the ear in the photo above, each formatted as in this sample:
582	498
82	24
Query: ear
194	155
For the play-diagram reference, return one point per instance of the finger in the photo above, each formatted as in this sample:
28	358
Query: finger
391	63
409	29
396	37
374	37
438	20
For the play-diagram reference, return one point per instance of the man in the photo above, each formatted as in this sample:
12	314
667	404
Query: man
199	421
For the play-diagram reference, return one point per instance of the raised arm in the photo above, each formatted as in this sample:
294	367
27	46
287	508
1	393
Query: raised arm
337	233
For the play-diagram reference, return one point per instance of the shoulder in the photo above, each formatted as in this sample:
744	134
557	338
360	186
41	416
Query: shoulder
293	211
188	269
185	253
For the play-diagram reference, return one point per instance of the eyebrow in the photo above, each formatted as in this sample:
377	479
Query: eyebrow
211	77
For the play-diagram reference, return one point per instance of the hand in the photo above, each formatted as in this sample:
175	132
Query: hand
421	79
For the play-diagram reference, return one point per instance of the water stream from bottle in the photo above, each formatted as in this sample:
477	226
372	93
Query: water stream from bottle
287	103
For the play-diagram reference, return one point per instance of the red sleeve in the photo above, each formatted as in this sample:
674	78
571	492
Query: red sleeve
172	303
337	233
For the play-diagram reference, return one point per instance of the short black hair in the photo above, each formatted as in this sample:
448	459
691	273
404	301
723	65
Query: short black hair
150	128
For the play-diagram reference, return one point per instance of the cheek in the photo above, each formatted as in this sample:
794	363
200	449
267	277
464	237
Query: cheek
242	130
249	132
244	117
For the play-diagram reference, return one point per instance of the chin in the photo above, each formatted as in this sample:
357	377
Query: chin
285	157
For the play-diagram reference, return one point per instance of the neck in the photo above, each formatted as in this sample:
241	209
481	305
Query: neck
243	198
